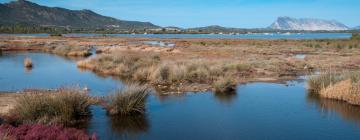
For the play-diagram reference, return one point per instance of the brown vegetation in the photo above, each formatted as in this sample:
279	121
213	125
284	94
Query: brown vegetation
69	106
71	51
28	63
224	85
63	106
129	101
195	64
340	86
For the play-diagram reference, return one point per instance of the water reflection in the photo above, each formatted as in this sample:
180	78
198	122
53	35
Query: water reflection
226	98
28	70
328	106
166	97
120	127
130	126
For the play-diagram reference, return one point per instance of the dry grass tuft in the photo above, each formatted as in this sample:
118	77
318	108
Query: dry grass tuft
28	63
64	106
129	101
224	85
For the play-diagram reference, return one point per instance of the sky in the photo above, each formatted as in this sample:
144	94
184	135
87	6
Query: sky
228	13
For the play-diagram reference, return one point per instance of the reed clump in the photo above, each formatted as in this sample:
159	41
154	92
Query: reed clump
64	106
224	85
343	86
129	101
28	63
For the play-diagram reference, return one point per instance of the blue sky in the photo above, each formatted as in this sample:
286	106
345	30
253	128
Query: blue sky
229	13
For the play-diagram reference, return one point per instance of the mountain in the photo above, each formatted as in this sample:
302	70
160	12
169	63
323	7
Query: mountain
356	28
227	30
29	13
212	28
216	29
308	24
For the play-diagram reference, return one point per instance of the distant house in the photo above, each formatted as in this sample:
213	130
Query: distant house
173	29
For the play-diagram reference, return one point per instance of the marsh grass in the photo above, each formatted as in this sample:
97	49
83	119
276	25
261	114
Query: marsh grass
224	85
344	86
28	63
65	106
316	83
153	70
129	101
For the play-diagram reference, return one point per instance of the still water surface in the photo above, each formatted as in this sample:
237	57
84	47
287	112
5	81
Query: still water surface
213	36
257	110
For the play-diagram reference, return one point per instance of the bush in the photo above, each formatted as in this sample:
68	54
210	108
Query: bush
129	101
42	132
64	106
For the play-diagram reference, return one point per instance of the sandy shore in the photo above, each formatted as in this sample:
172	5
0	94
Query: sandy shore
7	102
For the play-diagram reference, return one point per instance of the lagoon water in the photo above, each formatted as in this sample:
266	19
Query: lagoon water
257	111
212	36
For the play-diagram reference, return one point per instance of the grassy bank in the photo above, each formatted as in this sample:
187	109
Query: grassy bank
71	51
63	106
156	71
180	74
344	86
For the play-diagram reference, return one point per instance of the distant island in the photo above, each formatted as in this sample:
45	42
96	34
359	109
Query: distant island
27	17
307	24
